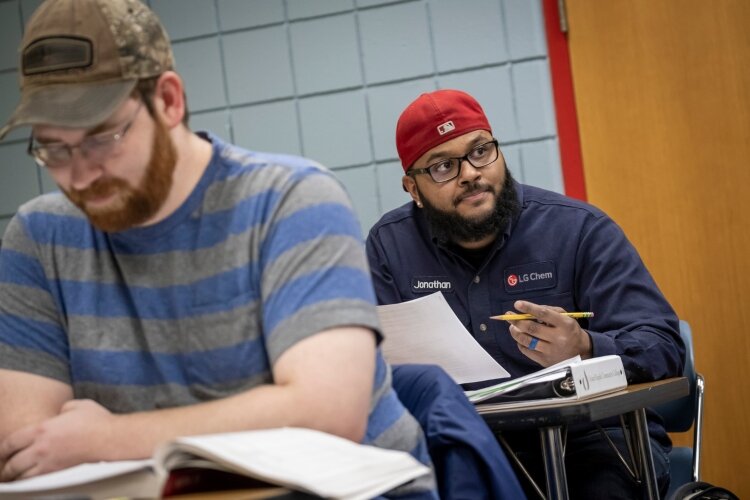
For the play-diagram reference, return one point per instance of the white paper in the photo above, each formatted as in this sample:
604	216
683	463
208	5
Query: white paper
323	464
74	476
427	331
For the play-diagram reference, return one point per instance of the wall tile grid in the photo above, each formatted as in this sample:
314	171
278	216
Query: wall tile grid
328	79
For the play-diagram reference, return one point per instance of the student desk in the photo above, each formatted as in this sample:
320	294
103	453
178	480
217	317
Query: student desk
550	416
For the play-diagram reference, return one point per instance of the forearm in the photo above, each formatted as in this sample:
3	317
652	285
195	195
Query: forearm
642	329
19	409
136	435
635	321
647	354
323	382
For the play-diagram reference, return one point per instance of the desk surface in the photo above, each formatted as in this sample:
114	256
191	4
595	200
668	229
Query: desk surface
551	412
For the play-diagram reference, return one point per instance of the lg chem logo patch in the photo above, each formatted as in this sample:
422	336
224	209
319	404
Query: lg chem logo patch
532	276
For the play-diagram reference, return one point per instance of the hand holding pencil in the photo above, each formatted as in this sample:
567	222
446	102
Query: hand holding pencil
547	334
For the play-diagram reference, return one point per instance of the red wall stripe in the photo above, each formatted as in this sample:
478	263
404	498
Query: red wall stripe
565	105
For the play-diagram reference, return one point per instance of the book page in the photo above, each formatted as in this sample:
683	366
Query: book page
301	459
427	331
134	478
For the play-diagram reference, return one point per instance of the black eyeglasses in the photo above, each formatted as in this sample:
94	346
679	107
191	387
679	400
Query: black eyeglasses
96	148
449	168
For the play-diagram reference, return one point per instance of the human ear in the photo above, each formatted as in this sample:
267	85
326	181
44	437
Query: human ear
169	99
410	186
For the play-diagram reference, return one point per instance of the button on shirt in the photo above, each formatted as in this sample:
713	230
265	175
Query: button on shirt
557	251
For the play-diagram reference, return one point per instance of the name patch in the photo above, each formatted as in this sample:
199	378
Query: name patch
534	276
431	284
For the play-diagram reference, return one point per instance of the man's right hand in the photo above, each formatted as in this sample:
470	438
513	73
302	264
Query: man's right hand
77	435
28	400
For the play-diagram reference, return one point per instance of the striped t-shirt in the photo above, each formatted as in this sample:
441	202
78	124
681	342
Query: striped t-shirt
265	252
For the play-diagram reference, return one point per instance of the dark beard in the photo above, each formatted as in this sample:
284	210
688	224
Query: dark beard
454	228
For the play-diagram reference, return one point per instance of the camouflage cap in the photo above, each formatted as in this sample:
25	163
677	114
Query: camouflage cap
80	59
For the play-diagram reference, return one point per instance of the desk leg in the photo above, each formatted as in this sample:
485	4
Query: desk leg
554	463
645	463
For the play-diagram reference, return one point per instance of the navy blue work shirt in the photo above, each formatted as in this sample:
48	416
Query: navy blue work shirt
557	251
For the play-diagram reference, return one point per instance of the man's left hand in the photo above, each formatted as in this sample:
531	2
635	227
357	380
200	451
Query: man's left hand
550	337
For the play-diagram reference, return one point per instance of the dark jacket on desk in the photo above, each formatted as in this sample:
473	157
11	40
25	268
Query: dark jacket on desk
468	461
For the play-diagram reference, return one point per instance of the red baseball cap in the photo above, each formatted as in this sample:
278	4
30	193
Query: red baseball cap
434	118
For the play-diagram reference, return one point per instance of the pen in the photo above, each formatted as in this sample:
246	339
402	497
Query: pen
514	317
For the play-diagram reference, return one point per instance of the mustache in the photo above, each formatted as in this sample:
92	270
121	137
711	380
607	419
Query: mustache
471	190
100	188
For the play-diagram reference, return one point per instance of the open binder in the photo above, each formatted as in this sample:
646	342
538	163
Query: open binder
571	379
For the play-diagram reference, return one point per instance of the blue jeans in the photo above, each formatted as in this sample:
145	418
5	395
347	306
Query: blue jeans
592	468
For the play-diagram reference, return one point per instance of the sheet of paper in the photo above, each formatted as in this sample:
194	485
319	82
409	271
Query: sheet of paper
80	474
326	465
427	331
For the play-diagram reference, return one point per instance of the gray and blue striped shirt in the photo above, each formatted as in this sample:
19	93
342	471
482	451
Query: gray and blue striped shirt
265	252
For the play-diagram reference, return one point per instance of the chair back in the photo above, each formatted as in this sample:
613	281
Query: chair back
678	415
468	461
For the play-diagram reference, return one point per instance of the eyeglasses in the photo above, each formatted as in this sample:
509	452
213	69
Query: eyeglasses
449	168
95	148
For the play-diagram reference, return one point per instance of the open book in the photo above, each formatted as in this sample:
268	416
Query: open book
298	459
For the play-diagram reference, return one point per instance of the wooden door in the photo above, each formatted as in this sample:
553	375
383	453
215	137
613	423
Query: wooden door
662	90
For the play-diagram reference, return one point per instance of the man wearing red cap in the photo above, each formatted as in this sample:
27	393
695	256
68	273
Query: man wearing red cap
178	284
495	245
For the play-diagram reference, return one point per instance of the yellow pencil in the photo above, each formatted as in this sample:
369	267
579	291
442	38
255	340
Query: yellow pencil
515	317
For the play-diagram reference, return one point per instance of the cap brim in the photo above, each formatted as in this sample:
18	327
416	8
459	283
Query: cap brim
69	105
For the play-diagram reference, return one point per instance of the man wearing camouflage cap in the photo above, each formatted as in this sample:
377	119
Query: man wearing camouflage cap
178	285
